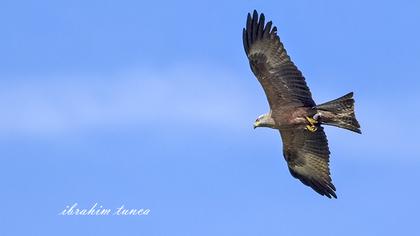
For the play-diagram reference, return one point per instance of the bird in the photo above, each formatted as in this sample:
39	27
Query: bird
292	109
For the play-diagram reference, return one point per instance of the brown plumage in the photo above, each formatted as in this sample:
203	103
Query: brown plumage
291	103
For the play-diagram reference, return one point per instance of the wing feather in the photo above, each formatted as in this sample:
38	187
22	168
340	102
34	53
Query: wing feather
283	83
307	156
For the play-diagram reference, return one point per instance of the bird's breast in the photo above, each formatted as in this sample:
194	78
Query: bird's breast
297	116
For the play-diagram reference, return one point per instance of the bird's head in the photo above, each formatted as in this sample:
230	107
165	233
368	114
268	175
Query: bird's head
264	120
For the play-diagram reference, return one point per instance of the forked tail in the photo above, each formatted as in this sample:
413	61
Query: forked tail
340	113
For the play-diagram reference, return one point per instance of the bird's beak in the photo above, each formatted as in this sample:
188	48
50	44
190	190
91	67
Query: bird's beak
256	124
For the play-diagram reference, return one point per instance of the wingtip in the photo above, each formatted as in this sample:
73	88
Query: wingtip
248	19
274	30
332	190
330	195
255	13
333	194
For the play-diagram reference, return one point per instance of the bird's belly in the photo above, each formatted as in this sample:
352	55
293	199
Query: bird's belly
298	121
298	116
292	121
292	117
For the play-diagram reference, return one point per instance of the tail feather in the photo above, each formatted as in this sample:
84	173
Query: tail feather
339	112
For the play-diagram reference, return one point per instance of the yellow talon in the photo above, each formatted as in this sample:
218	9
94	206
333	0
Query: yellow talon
311	128
311	120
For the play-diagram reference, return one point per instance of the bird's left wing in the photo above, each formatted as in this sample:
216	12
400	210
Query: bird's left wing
307	156
283	83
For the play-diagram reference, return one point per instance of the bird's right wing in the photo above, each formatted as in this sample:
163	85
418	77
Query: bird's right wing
283	83
307	156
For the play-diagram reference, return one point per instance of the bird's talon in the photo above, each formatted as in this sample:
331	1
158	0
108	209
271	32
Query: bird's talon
311	120
311	128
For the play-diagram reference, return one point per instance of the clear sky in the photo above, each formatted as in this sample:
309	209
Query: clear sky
151	105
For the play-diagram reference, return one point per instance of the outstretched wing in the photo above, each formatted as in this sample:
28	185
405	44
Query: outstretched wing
283	83
307	156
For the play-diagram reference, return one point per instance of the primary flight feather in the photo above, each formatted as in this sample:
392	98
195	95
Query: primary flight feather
292	110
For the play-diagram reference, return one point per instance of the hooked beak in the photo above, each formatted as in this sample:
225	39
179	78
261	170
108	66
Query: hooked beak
256	124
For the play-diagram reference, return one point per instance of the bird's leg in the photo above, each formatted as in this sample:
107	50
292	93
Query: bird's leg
311	127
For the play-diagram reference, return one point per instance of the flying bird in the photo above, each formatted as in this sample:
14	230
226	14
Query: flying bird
292	110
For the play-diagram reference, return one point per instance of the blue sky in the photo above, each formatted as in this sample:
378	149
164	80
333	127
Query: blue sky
151	105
